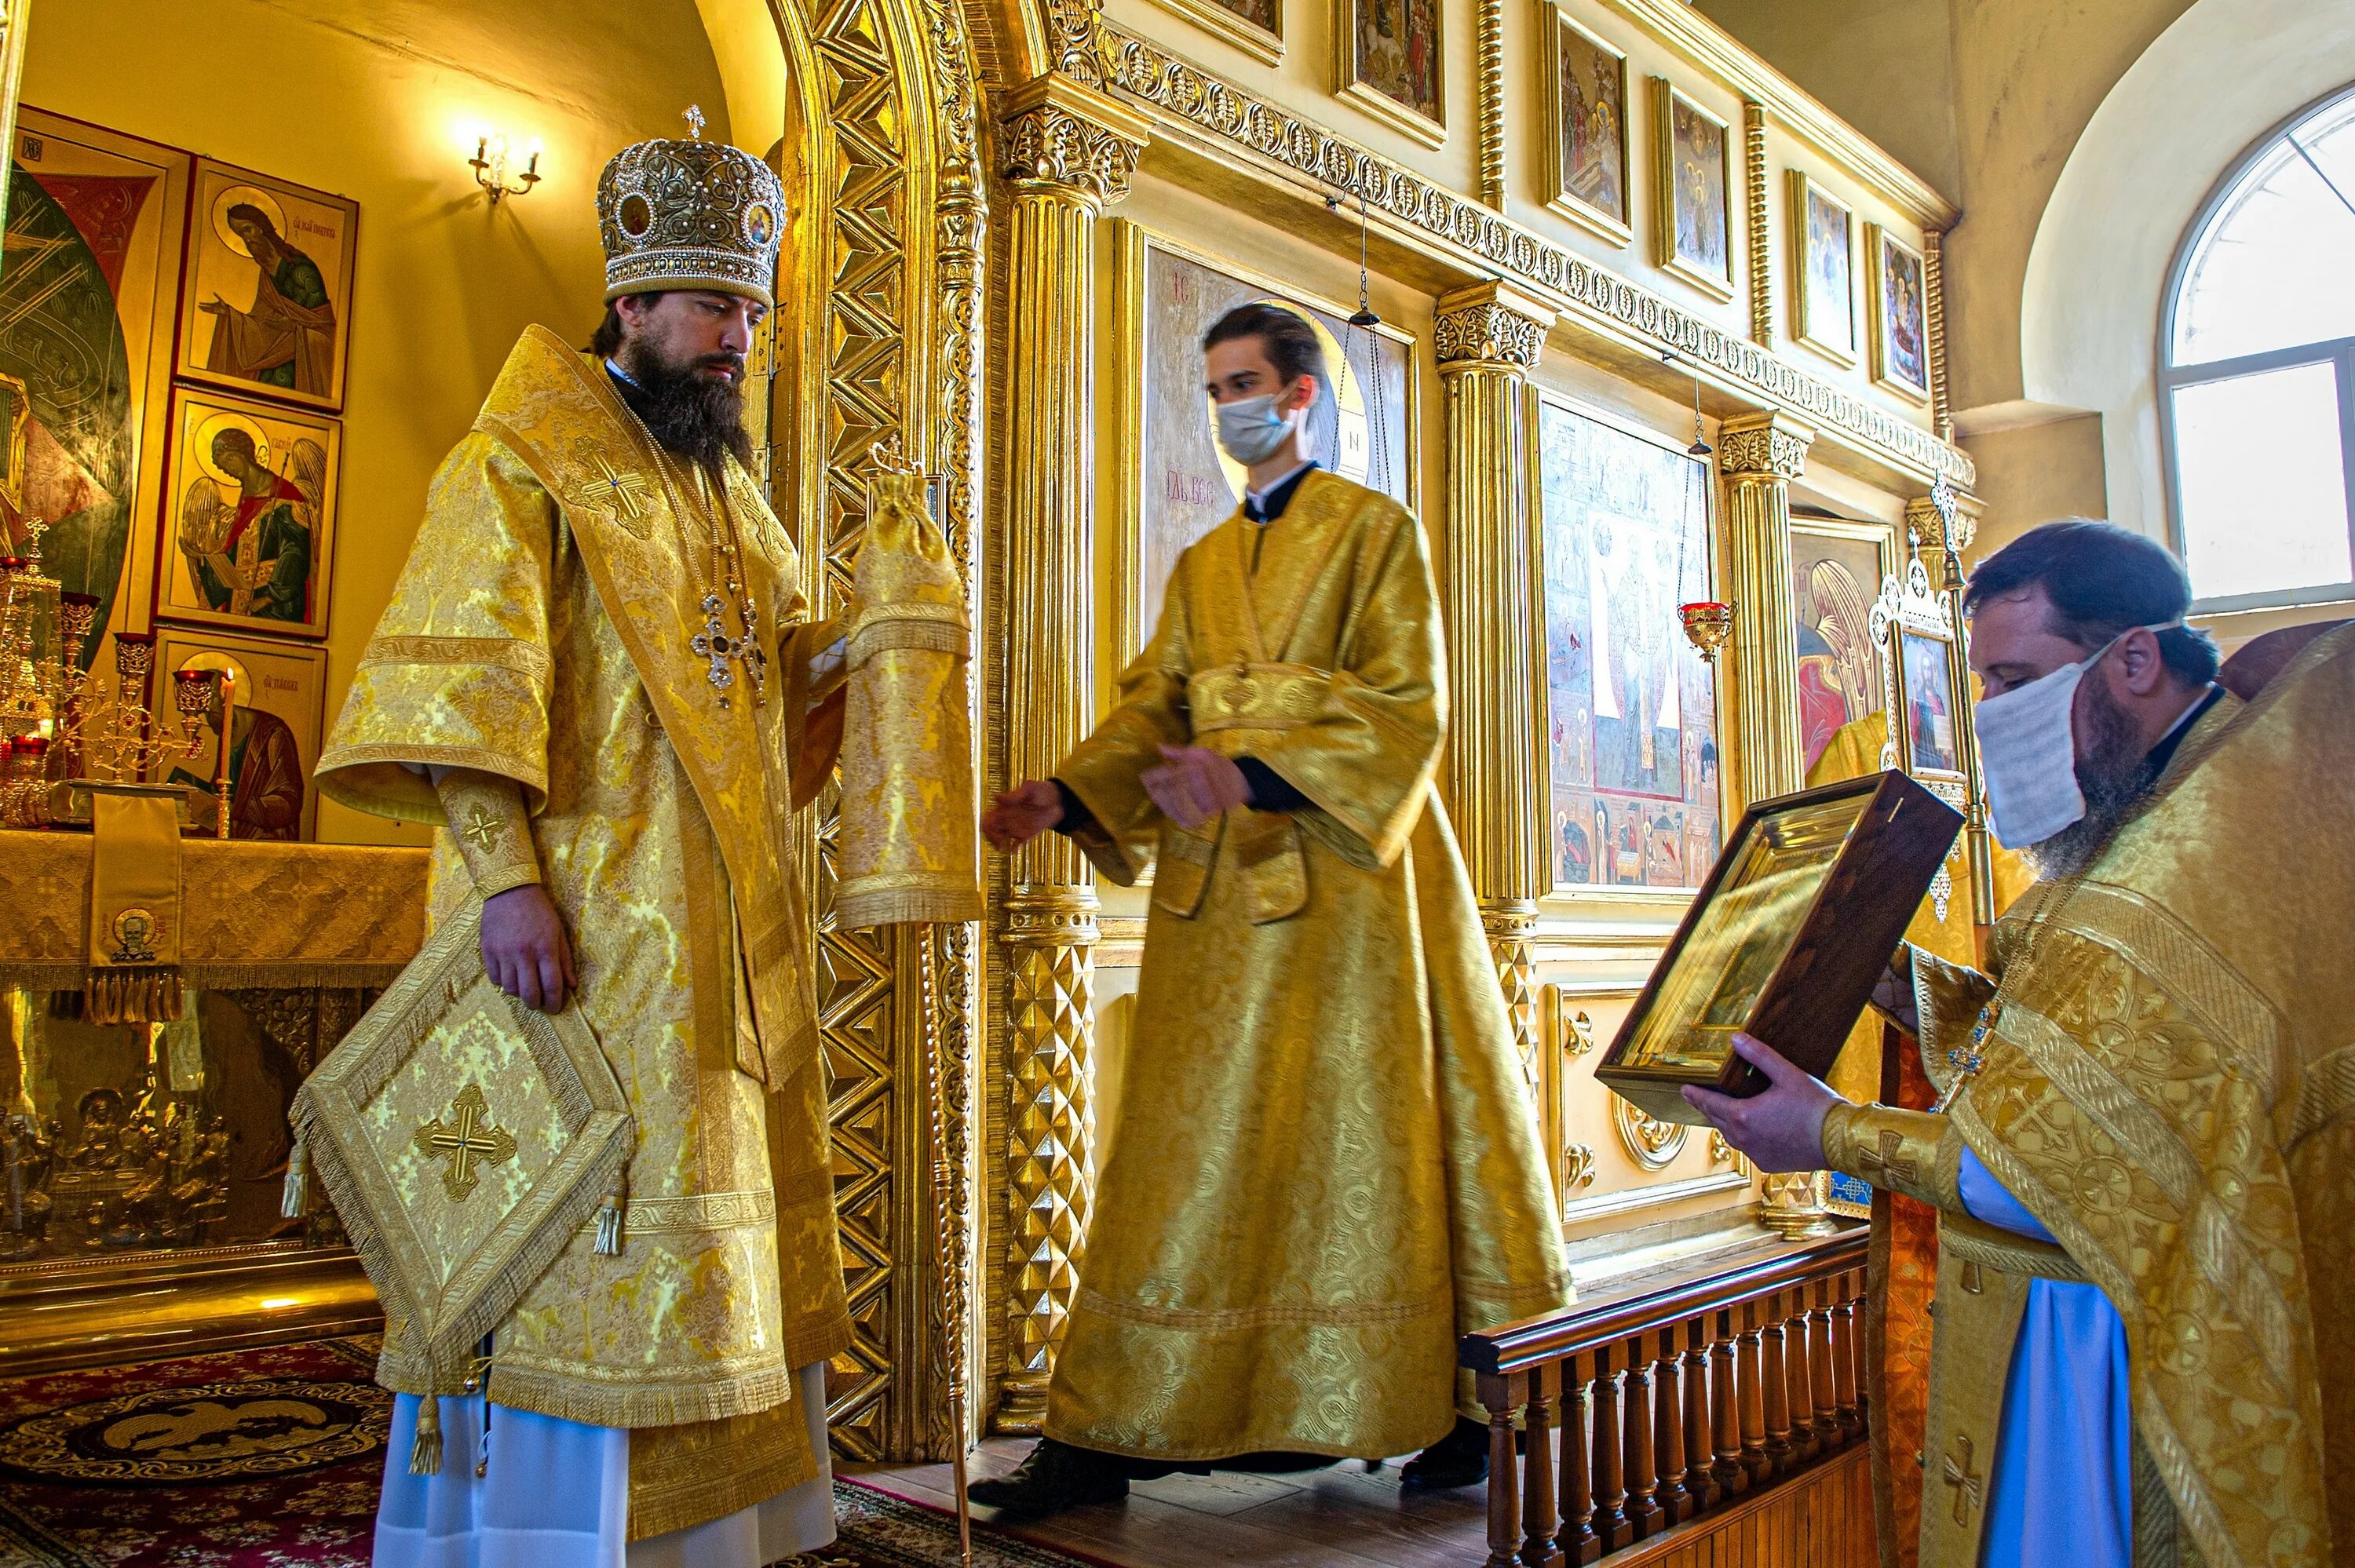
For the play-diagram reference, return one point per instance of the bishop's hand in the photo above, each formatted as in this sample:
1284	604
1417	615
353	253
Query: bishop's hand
1780	1128
524	948
1193	785
1021	814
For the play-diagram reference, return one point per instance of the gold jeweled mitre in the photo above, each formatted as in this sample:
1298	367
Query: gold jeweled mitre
691	215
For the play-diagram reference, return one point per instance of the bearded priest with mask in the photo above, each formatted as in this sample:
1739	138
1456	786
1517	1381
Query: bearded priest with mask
1338	1174
597	674
2145	1331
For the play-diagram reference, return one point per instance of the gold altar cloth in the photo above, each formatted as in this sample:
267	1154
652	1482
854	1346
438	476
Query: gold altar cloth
2170	1087
542	630
1328	1169
252	914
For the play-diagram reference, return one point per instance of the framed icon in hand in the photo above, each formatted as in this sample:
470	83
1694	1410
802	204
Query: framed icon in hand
1785	941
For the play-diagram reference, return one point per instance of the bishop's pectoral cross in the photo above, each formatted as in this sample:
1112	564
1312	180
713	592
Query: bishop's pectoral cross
714	644
472	1140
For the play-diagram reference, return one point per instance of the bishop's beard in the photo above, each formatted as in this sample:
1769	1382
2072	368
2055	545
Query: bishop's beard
695	416
2113	776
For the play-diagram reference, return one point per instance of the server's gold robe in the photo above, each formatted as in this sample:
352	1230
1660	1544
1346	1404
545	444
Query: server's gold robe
2170	1088
541	631
1325	1167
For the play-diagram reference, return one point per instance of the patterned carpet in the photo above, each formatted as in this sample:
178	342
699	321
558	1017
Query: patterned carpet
271	1458
263	1458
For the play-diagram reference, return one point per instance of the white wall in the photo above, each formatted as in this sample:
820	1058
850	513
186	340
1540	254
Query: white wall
2224	75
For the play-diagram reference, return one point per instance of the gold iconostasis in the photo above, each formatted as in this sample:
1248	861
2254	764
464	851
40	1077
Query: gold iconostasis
1640	327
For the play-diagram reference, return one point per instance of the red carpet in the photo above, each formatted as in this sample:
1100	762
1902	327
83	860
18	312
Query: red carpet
265	1459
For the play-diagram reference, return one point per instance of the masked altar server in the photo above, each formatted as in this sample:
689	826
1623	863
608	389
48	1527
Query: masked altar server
2145	1348
1340	1173
598	673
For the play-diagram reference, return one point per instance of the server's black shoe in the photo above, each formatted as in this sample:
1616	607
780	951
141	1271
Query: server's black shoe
1458	1459
1054	1476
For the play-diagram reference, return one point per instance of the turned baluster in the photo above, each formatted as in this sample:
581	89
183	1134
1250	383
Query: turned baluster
1845	1359
1669	1429
1731	1475
1774	1385
1539	1549
1580	1544
1822	1390
1798	1335
1610	1474
1642	1474
1698	1482
1500	1393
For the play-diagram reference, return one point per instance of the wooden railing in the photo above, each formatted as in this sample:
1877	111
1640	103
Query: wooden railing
1669	1404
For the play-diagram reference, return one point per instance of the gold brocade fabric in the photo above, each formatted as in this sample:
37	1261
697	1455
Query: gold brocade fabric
541	631
251	914
1329	1172
2170	1089
134	909
910	843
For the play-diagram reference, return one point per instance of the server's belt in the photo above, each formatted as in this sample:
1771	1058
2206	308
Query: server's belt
1256	696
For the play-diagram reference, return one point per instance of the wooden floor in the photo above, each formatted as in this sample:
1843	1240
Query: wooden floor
1343	1516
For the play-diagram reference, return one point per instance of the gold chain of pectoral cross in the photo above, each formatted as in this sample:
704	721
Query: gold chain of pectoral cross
715	644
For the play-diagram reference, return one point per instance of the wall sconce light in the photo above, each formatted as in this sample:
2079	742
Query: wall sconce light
490	165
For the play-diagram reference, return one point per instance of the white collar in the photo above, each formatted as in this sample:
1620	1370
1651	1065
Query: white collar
1259	497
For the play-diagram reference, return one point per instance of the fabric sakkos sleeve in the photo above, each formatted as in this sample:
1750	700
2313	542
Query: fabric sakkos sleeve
1107	770
459	671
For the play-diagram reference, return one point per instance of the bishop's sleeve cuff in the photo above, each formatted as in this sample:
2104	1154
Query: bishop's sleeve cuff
492	827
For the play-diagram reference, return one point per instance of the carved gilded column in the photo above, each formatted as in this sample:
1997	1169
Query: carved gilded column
1486	338
1759	455
1761	239
1933	322
1492	103
1069	152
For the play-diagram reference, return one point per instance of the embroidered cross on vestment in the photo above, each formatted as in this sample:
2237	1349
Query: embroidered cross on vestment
469	1141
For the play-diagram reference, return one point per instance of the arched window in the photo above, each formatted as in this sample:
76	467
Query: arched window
2257	372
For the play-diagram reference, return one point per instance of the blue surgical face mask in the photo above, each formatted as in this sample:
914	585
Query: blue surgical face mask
1251	429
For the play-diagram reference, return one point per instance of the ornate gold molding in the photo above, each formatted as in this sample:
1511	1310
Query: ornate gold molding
1488	323
1481	240
1761	239
1076	26
1650	1143
1059	132
1934	316
1763	446
1492	103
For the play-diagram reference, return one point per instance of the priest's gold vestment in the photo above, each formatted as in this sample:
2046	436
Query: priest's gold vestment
541	631
1326	1167
2170	1088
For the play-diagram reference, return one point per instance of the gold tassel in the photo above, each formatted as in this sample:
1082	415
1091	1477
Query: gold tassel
425	1453
134	996
295	1200
609	1215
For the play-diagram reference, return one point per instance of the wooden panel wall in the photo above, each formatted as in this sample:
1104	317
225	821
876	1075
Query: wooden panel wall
1821	1518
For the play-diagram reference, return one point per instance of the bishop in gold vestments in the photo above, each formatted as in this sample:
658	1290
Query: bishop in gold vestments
602	652
1328	1169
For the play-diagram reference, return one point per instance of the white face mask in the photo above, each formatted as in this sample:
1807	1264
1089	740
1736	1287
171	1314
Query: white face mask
1251	429
2027	752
